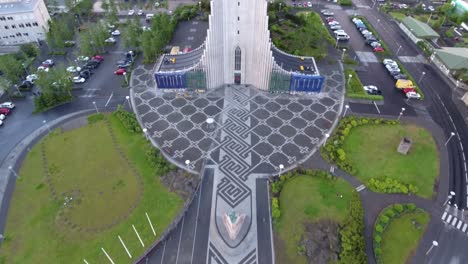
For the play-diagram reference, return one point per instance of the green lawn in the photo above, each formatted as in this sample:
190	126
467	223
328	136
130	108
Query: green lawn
84	164
372	150
307	198
398	16
401	237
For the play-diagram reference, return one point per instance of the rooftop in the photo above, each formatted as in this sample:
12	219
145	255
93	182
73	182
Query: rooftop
419	29
15	6
453	58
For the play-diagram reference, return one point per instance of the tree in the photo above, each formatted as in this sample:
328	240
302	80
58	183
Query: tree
84	7
5	85
11	68
30	50
86	44
92	40
132	34
112	15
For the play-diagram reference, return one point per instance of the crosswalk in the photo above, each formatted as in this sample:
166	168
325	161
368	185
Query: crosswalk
360	187
89	93
454	221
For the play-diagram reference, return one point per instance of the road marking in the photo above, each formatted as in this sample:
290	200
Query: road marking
378	110
454	221
85	261
459	224
180	239
360	187
449	218
107	255
164	251
112	94
444	215
464	227
125	247
138	235
461	146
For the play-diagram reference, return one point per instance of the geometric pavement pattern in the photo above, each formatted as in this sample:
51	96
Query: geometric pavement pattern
252	133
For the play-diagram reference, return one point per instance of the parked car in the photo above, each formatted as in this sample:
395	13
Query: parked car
400	77
73	69
309	4
5	111
78	79
339	31
328	13
331	23
370	40
370	87
131	12
431	8
392	68
26	84
329	19
43	69
375	44
124	65
115	32
31	78
110	40
85	74
2	117
378	49
82	58
98	58
48	63
411	93
8	105
342	36
388	61
334	27
120	72
1	122
140	12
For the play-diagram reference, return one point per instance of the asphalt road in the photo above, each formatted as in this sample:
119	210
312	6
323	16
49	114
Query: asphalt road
265	247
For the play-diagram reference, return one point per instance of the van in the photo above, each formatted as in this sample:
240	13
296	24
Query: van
175	50
149	16
402	84
341	36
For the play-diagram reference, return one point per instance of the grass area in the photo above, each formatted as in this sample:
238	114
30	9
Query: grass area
354	87
401	237
303	34
308	198
397	15
83	163
372	150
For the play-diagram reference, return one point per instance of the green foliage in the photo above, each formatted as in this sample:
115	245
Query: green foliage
155	40
390	185
383	221
112	13
56	86
333	149
60	30
425	47
275	211
157	160
345	2
354	87
29	49
95	118
352	240
11	67
132	33
128	120
92	40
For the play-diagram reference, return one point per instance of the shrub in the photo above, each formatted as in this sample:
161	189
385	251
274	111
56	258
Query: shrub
352	240
345	2
95	118
389	185
128	120
275	210
377	238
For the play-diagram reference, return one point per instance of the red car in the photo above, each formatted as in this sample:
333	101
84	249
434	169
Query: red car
4	111
98	58
330	19
407	90
378	49
120	72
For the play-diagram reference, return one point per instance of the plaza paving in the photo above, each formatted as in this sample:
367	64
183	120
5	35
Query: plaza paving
252	134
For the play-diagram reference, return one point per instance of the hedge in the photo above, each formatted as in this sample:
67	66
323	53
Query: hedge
389	185
128	120
383	221
345	2
333	150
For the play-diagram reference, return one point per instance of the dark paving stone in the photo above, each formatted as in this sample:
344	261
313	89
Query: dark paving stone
263	148
170	134
198	118
287	131
143	108
308	115
302	140
262	130
165	109
178	102
184	126
188	110
272	106
260	100
150	117
327	101
201	102
174	117
285	114
298	123
323	123
180	144
261	114
212	110
305	102
207	144
274	122
161	125
295	107
313	132
330	115
292	150
276	140
318	108
147	95
195	135
156	102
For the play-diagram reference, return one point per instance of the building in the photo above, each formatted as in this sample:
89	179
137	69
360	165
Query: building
460	6
450	59
238	50
22	21
417	30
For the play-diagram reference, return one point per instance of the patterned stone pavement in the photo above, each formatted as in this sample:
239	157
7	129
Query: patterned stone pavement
252	134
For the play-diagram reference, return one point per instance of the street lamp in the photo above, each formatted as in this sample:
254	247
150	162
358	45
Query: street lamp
187	162
422	75
451	135
12	171
434	244
401	113
326	138
398	50
349	79
450	196
342	55
199	5
145	131
47	125
126	78
279	9
281	167
94	103
128	101
346	110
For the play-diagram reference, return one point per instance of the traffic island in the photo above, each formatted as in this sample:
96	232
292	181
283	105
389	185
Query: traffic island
317	219
84	186
368	149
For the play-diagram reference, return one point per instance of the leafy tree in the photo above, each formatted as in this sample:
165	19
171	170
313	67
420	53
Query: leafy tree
30	50
112	15
92	40
132	34
56	86
5	85
86	44
84	7
60	30
11	67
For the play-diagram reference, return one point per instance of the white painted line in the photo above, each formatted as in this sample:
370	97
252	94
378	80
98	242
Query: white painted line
454	221
125	247
196	221
110	97
376	107
85	261
461	146
444	215
107	255
136	232
465	165
180	239
151	224
451	118
464	227
459	224
449	218
164	251
360	187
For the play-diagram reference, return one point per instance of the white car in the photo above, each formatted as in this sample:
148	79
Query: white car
131	12
328	13
140	12
370	88
115	32
392	68
9	105
83	58
389	61
110	40
1	122
2	117
42	68
431	8
309	4
73	69
339	31
31	78
145	28
78	79
335	27
413	95
333	23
